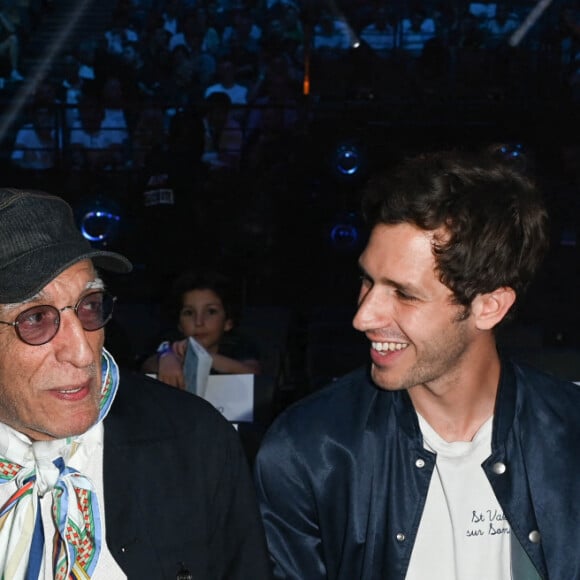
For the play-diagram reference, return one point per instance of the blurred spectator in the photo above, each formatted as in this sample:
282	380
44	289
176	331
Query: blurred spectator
330	49
172	14
201	62
36	145
87	55
94	146
466	32
500	27
167	192
222	134
197	34
277	91
119	33
156	72
242	36
416	30
217	16
227	82
501	56
185	85
292	29
148	135
10	45
70	89
380	33
115	108
331	36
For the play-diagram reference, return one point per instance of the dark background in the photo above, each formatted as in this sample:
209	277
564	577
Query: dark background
290	232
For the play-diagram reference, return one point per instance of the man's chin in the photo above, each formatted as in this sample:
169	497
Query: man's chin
385	380
62	429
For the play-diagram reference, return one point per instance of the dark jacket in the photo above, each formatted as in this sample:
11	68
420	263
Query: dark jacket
178	490
342	479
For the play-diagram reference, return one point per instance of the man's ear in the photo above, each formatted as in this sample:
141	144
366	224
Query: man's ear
489	309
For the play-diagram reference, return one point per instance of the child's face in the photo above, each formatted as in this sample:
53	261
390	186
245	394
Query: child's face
203	316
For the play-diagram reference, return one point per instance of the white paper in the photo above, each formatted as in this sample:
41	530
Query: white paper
232	395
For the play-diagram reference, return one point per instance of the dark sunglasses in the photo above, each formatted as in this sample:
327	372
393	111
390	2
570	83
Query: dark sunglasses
39	324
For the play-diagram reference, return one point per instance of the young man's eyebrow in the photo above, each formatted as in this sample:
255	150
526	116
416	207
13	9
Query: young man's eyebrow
404	288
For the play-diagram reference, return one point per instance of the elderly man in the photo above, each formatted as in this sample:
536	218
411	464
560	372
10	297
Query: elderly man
102	475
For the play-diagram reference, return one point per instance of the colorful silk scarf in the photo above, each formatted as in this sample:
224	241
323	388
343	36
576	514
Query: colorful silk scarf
37	470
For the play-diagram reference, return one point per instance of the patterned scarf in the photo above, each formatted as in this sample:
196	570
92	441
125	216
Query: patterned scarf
39	468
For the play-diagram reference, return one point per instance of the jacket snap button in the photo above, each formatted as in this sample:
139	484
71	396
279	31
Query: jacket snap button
534	537
400	537
499	468
420	463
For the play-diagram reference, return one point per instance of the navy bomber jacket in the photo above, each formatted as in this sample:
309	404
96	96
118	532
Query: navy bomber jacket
347	464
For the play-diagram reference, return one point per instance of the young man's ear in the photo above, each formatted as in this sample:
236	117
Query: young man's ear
490	309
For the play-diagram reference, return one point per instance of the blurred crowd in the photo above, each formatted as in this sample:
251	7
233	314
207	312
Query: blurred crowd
185	110
119	91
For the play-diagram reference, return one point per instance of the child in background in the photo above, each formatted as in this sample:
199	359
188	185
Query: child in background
204	306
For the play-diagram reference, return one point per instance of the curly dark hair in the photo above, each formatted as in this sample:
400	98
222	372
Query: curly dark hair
494	225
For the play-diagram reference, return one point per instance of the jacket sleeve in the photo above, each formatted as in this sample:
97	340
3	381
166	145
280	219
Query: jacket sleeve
237	540
179	489
287	505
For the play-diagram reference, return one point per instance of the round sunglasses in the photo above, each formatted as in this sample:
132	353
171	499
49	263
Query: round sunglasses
39	324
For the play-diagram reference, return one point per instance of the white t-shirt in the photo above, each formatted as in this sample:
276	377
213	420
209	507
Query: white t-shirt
463	534
238	94
30	152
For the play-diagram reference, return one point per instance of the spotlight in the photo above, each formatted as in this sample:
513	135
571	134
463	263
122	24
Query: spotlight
345	232
344	236
99	220
98	226
348	161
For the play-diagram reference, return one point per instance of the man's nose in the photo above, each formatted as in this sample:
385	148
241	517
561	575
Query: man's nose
374	311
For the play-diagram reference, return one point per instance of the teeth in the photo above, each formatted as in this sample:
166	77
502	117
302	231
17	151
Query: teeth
70	390
389	346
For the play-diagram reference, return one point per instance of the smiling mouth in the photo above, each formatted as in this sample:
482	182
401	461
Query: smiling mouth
384	347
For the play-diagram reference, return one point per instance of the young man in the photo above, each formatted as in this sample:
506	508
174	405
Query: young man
103	475
442	460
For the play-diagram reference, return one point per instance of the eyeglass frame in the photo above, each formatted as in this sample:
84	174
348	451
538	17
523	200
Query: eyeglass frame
16	323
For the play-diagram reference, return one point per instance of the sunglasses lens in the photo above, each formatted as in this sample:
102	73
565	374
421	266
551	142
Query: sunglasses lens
38	325
95	310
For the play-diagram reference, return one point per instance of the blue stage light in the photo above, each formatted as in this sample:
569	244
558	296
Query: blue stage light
99	226
99	218
348	159
345	233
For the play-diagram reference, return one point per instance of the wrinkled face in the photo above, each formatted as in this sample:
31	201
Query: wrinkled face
418	335
203	316
53	391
